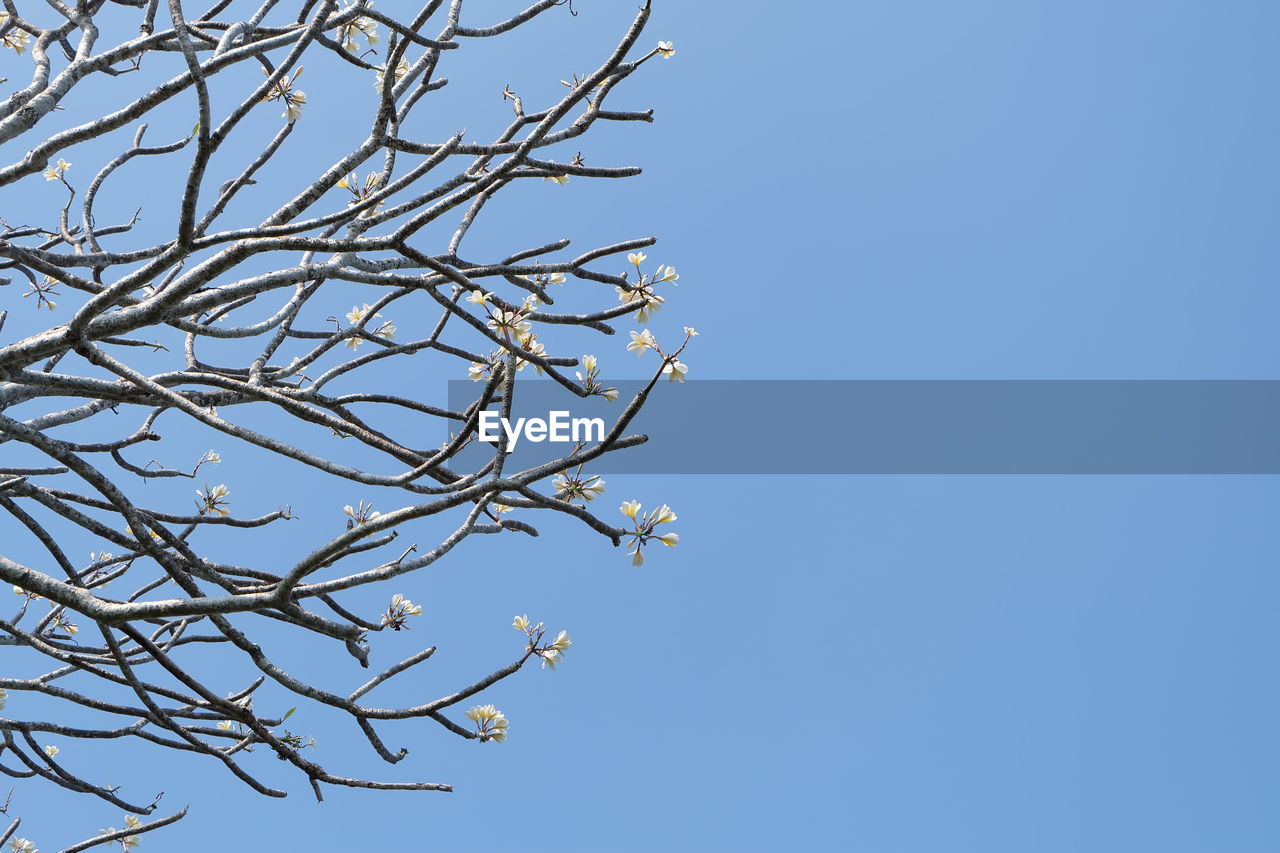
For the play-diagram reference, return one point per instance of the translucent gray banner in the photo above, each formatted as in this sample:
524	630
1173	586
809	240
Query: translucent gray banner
913	426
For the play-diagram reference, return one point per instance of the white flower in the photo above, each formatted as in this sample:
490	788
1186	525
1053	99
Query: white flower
214	499
663	515
556	278
641	341
212	456
402	68
675	370
490	722
665	50
691	331
224	726
283	90
360	513
562	642
53	173
643	294
51	750
22	845
293	106
398	613
589	362
478	297
666	274
478	371
521	623
357	315
630	508
509	322
610	394
557	179
671	540
637	258
16	39
578	487
406	605
359	25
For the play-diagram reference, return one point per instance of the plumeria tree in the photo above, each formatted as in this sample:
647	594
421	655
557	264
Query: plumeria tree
238	304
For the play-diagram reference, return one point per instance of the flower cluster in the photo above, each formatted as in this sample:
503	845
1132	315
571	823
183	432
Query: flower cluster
361	190
397	616
284	91
129	842
359	514
16	39
386	330
358	26
645	526
210	457
672	366
22	845
551	653
402	68
61	623
213	500
56	171
576	486
490	722
480	371
42	290
591	379
509	322
514	326
642	293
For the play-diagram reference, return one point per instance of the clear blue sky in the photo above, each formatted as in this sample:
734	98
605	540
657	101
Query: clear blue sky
991	664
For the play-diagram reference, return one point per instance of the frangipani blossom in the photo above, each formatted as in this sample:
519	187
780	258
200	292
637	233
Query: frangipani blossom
490	723
675	369
641	341
402	68
360	25
666	50
57	170
284	90
644	530
398	612
16	39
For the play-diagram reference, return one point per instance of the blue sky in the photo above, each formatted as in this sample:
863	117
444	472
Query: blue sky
1032	663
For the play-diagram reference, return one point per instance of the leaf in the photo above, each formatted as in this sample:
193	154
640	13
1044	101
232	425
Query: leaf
288	714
